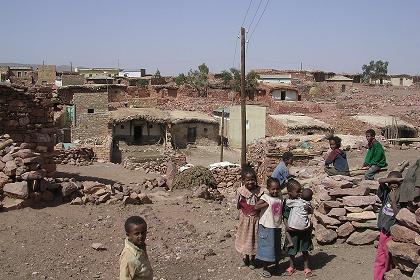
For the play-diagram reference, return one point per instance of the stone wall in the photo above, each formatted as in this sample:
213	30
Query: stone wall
207	134
91	116
71	80
46	75
27	116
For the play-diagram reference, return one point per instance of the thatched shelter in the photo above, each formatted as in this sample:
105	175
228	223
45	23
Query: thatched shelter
301	124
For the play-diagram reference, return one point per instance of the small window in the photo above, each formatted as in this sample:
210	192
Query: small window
205	130
150	125
19	74
122	126
90	75
91	111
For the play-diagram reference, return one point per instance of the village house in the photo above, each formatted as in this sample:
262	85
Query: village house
132	73
46	75
4	73
340	83
275	79
22	75
389	126
255	124
401	80
72	79
283	124
101	72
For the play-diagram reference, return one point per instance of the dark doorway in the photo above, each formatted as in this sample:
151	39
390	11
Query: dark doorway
138	134
343	88
283	95
401	81
192	134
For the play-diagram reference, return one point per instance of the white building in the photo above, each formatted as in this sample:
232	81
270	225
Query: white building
132	73
276	79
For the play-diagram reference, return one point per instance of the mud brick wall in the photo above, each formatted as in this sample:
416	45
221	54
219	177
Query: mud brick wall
46	74
91	116
27	116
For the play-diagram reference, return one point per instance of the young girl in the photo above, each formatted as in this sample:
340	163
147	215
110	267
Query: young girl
301	239
269	229
337	158
248	195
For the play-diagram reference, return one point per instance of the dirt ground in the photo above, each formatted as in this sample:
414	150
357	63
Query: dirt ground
188	238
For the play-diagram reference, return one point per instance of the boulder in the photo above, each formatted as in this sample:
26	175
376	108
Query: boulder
407	251
395	274
325	220
324	235
418	215
91	187
362	238
323	195
67	188
10	203
330	183
404	265
358	191
337	212
403	234
417	240
16	190
10	168
368	224
362	216
6	158
23	153
345	229
2	165
407	218
354	209
32	175
104	198
332	204
359	200
370	184
416	273
170	173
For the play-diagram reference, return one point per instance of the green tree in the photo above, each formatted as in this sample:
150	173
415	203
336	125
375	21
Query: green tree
157	74
251	81
198	79
374	70
227	77
181	79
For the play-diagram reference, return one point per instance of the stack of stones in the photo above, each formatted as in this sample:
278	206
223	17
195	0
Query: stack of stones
226	176
405	244
90	192
347	210
76	156
21	172
156	165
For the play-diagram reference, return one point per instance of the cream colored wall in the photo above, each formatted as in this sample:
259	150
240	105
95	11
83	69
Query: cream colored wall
255	129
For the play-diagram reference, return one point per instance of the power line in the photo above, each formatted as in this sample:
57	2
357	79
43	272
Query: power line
259	19
255	14
246	14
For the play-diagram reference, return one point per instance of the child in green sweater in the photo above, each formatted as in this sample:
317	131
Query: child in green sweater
375	158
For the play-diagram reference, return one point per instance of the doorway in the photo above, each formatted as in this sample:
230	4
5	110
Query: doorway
192	134
343	88
138	134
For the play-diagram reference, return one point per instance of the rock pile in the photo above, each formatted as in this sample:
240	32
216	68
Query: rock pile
76	156
156	165
346	210
405	244
21	172
226	176
194	177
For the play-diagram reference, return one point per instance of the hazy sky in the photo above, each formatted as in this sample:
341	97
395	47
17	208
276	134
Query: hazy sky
175	36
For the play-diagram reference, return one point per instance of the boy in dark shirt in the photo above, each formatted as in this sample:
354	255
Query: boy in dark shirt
388	193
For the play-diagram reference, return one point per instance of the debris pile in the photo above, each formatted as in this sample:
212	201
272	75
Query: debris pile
226	176
194	177
157	165
76	156
21	172
405	244
346	210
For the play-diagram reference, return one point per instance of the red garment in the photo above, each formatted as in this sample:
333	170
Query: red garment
248	199
383	258
248	210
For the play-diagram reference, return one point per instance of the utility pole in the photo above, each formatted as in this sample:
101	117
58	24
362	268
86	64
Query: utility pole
243	100
71	67
222	135
301	66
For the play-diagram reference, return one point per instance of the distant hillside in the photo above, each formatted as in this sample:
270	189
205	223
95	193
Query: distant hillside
60	68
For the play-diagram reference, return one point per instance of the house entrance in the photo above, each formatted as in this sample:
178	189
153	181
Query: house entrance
192	134
343	88
138	134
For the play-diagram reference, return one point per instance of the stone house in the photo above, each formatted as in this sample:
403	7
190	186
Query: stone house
72	80
21	75
28	117
277	92
93	72
340	83
46	75
401	80
4	73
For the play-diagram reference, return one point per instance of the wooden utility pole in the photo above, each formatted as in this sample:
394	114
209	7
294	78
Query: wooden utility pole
222	135
243	100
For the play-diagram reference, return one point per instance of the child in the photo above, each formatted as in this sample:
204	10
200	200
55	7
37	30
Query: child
269	229
281	172
375	158
248	195
299	214
337	158
134	262
388	193
301	239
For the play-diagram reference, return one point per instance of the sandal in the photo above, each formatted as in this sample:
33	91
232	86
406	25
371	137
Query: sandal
290	271
265	274
308	272
245	262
